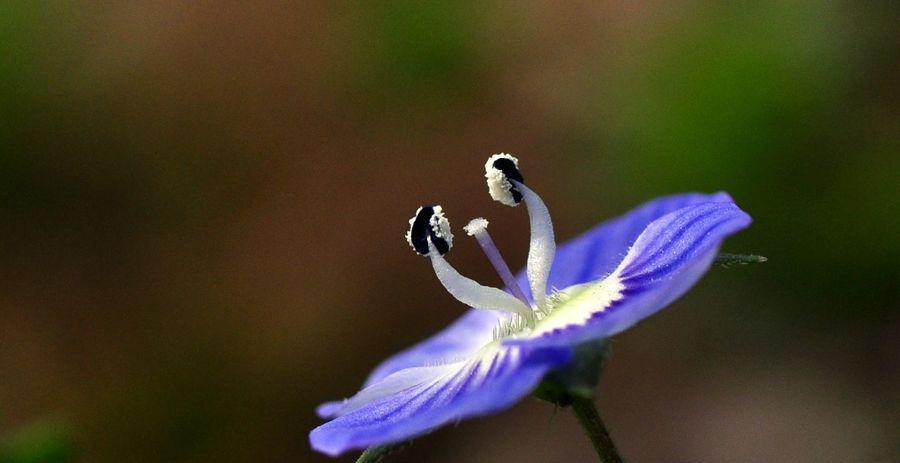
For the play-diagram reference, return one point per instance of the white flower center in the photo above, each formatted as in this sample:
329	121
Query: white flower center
430	235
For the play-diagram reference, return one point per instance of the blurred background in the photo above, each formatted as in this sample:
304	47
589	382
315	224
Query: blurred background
203	207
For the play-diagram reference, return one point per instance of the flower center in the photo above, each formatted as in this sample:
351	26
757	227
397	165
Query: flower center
429	235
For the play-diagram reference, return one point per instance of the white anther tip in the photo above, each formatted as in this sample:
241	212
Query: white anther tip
441	226
476	226
499	170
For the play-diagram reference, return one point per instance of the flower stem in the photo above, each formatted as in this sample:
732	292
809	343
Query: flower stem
377	453
590	420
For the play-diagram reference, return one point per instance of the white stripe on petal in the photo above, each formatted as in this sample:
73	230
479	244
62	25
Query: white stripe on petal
399	381
575	305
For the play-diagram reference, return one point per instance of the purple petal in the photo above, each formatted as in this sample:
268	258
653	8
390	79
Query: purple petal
461	339
597	252
667	259
484	384
329	409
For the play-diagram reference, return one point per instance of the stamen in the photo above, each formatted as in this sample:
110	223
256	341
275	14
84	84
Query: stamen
542	248
478	229
506	185
430	232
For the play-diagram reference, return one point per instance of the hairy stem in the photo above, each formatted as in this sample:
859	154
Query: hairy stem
593	426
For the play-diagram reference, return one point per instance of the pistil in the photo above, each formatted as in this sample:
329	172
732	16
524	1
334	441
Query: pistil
478	229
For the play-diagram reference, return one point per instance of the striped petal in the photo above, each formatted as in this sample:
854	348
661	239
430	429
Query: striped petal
468	334
462	339
671	254
596	253
415	401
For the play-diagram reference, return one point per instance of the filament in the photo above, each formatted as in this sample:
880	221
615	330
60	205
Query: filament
542	247
473	294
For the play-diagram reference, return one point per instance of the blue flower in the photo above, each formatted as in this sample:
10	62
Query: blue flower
609	278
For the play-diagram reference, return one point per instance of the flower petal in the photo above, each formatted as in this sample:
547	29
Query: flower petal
493	379
667	259
392	384
597	252
462	338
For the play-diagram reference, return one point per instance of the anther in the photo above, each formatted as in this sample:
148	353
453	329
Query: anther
429	224
501	170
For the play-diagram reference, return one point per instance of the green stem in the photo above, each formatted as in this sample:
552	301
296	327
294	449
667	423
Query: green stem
590	420
377	453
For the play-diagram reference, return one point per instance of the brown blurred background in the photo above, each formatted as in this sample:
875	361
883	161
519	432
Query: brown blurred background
203	206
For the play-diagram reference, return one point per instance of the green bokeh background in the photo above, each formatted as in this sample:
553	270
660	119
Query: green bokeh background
202	209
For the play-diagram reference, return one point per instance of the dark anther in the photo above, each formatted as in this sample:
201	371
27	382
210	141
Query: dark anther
508	167
421	230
